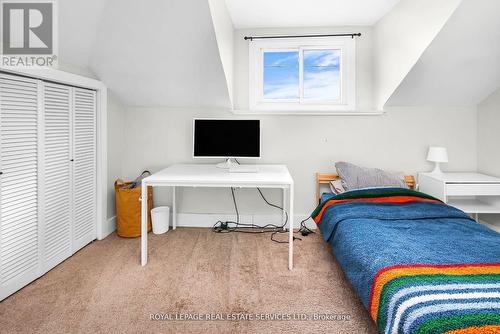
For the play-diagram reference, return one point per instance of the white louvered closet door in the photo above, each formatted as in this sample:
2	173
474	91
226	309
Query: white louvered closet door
56	173
19	229
48	186
84	167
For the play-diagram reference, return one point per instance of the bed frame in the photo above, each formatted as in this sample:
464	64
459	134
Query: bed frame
326	178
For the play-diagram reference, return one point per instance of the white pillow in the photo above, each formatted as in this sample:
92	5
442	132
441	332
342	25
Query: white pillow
336	186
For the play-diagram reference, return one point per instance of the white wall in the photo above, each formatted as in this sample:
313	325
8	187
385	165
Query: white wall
401	37
224	33
116	148
158	137
152	138
447	74
398	140
75	69
488	140
488	153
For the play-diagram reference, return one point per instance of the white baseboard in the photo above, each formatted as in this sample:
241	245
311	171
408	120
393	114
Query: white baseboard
109	227
208	220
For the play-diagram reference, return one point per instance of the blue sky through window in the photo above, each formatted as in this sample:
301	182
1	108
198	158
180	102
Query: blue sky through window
281	75
321	75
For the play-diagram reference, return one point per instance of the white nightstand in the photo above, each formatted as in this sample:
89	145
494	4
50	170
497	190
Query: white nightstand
473	193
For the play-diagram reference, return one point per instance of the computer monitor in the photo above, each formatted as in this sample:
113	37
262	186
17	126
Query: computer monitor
226	138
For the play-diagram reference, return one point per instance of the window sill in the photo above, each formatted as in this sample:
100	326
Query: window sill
307	113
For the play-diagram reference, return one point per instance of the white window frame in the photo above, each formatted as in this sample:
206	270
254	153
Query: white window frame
347	102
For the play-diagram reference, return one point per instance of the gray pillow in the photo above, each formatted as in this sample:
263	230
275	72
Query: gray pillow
356	177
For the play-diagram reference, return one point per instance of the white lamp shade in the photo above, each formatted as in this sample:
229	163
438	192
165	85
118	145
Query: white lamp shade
437	154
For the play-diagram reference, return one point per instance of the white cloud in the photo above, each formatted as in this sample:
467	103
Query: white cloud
292	57
322	57
281	91
323	85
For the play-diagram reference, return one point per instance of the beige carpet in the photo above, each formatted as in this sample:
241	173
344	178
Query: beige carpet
103	288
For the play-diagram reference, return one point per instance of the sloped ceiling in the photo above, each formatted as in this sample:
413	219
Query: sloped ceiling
78	27
462	65
149	53
400	39
165	52
310	13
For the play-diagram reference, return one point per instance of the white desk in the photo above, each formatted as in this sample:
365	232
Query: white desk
269	176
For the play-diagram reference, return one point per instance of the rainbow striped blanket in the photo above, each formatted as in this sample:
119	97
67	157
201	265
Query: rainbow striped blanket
418	265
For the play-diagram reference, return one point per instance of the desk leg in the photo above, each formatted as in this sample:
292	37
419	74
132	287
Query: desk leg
284	207
174	209
290	235
144	224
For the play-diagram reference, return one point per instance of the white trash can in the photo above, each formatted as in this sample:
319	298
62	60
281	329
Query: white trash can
160	217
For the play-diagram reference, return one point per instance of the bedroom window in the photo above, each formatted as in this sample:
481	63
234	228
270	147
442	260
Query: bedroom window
302	75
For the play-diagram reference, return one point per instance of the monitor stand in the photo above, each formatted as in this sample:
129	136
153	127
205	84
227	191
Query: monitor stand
227	164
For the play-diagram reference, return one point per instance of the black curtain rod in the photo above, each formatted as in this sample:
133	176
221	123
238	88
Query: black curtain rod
301	36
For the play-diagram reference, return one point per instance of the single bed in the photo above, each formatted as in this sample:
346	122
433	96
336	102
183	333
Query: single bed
418	265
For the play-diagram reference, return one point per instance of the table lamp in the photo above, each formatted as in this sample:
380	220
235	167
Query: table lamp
437	155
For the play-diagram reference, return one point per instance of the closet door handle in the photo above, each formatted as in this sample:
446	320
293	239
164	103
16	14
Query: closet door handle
72	160
1	173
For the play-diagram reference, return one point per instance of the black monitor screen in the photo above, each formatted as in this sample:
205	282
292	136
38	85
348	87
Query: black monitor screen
226	138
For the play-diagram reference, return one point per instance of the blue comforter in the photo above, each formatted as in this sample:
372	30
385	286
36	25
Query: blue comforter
379	242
